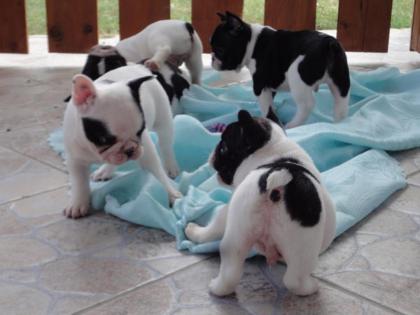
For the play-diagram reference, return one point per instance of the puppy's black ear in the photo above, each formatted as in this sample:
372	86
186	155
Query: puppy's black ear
233	20
221	16
244	117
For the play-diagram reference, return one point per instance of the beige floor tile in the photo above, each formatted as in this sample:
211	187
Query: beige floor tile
72	304
409	160
10	224
88	275
26	177
16	300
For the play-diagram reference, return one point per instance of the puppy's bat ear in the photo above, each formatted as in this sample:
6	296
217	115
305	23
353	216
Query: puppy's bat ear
244	117
234	22
83	92
221	16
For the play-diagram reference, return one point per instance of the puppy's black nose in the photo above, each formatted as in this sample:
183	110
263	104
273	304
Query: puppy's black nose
129	152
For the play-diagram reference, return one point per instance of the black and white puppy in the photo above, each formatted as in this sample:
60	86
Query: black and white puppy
283	60
165	41
107	121
279	205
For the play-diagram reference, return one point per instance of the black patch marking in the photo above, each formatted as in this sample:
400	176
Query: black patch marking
190	30
230	40
179	84
239	140
97	132
300	194
134	86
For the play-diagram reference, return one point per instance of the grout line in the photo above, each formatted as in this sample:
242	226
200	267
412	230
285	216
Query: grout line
33	195
361	297
127	291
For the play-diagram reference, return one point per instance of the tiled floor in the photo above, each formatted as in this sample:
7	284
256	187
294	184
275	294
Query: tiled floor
102	265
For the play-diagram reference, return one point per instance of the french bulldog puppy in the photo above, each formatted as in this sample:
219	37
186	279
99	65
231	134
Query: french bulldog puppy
165	41
108	121
279	205
283	60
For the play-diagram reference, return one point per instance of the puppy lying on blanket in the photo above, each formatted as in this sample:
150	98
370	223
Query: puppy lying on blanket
283	60
107	121
164	41
279	205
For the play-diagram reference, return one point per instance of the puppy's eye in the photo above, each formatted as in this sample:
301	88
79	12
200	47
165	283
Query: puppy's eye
223	148
219	51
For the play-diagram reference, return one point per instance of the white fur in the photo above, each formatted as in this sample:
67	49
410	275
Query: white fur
114	105
251	219
163	40
300	91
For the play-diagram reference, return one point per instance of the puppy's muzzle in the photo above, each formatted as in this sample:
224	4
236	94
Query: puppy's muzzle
122	151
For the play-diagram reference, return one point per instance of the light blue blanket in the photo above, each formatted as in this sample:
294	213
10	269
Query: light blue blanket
384	115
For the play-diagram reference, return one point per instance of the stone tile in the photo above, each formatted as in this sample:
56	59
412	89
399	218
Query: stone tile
151	243
71	304
48	203
409	160
28	275
152	299
387	222
337	255
396	292
33	142
396	256
17	299
24	252
168	265
10	225
21	172
214	309
407	200
92	275
82	235
414	179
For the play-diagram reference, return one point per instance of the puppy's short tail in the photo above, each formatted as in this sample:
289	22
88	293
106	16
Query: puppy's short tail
275	181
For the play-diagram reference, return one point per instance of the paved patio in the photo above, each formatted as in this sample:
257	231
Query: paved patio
102	265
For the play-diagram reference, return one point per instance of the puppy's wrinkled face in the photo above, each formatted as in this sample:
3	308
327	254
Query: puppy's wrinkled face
111	117
229	42
239	140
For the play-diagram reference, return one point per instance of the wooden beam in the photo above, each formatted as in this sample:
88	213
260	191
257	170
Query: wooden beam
72	25
137	14
13	30
363	25
415	29
290	14
205	19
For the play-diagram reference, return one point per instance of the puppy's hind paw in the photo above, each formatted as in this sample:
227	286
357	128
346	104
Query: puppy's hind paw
76	211
103	173
216	287
192	231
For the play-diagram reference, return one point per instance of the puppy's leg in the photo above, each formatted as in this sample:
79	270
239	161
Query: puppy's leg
301	255
341	103
194	63
103	173
265	99
166	143
240	235
212	232
304	99
80	192
151	162
161	55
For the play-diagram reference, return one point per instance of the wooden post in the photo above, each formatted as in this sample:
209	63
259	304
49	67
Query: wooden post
72	25
137	14
204	18
415	29
363	25
13	31
290	14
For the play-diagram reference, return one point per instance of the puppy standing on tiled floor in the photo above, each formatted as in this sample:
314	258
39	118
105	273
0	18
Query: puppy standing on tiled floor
108	121
279	205
283	60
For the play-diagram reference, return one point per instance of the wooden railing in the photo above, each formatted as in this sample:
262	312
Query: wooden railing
362	25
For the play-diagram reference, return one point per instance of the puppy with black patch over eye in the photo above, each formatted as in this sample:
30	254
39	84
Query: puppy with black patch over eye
298	61
279	205
107	121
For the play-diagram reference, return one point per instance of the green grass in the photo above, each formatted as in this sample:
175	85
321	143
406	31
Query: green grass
327	11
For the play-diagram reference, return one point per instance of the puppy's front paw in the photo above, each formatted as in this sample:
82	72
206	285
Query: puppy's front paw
340	113
75	211
217	287
174	195
152	65
172	169
103	173
192	231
